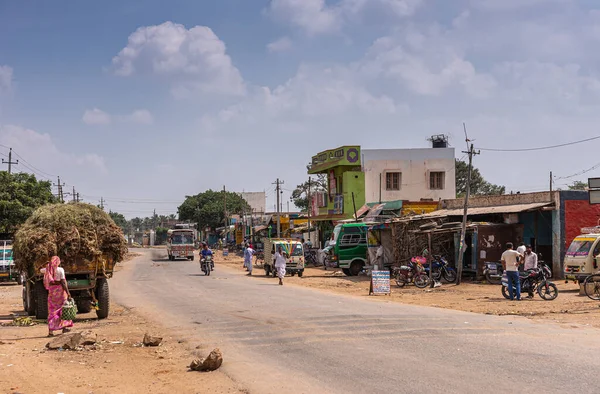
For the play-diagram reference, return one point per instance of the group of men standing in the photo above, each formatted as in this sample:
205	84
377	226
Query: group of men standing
511	261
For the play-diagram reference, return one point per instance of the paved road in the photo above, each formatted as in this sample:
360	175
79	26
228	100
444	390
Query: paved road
290	339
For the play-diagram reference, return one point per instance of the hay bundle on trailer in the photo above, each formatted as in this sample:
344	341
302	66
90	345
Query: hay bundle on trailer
74	231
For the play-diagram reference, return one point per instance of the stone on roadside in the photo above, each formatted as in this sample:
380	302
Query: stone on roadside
211	363
65	341
88	338
151	341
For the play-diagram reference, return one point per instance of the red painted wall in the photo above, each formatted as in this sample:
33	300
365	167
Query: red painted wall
579	214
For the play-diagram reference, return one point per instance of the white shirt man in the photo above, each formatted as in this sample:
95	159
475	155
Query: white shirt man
521	249
531	259
280	264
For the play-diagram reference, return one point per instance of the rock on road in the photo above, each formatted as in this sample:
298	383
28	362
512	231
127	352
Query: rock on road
290	339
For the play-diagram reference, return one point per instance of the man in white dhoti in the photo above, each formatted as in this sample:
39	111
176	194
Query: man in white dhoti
280	264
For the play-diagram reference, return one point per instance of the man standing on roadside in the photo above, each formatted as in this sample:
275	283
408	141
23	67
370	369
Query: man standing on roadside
531	263
248	253
510	262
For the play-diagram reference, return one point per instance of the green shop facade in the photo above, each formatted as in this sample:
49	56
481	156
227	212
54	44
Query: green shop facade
345	184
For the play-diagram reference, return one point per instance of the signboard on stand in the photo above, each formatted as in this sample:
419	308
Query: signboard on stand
380	283
225	252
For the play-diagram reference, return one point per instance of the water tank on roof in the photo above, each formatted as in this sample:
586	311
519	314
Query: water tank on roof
439	141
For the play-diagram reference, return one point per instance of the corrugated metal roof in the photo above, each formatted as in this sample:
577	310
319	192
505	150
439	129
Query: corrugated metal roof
487	210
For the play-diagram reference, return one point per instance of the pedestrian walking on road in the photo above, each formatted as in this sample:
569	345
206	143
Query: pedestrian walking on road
58	292
248	253
510	261
280	264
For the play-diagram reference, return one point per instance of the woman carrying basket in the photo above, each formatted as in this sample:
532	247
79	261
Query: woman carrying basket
58	292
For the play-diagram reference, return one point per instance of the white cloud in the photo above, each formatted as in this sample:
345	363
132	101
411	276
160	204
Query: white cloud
312	16
6	78
96	117
191	59
425	63
41	152
316	17
141	116
280	45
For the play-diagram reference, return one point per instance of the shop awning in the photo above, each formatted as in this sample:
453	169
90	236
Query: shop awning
488	210
260	228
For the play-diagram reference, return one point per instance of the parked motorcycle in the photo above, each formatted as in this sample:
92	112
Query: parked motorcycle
412	272
493	272
206	265
441	269
534	280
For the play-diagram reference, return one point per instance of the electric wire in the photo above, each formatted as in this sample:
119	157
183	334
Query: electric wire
541	147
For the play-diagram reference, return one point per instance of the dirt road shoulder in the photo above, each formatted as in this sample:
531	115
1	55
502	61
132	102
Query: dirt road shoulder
116	364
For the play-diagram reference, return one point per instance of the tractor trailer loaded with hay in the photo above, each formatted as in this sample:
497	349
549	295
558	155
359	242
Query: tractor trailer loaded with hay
89	245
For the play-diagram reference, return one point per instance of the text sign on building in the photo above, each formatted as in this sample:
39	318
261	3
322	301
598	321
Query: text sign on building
343	156
380	282
594	190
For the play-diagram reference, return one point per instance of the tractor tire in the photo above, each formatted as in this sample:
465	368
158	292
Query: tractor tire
84	306
346	271
103	297
41	301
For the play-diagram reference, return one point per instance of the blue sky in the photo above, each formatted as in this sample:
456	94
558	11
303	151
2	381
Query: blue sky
153	100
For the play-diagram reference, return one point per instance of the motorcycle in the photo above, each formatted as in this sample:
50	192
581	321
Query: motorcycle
534	280
206	265
412	272
493	272
441	269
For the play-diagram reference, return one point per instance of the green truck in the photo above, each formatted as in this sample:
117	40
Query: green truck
348	247
8	272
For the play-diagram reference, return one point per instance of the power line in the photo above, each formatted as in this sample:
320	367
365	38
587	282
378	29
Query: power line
540	148
578	173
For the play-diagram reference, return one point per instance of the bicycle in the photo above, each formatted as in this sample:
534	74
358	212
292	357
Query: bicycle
592	285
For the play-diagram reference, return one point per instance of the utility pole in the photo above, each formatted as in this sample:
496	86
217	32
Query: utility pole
278	184
463	232
551	197
102	203
225	208
309	207
60	190
77	196
10	162
74	195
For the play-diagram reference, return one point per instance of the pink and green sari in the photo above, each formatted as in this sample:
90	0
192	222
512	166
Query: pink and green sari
56	298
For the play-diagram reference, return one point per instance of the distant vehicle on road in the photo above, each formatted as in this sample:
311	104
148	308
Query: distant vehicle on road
8	272
180	244
295	256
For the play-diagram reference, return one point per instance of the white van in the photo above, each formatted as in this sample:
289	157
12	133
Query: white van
583	256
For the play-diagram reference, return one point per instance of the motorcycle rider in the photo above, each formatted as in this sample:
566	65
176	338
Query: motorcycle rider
531	263
205	253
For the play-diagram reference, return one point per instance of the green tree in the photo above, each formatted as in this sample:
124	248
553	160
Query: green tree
208	208
479	186
120	221
136	224
20	195
578	185
161	235
300	194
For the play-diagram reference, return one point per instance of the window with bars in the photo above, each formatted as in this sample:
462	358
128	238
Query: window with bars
393	180
437	180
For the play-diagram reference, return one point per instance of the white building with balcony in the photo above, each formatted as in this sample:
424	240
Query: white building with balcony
409	174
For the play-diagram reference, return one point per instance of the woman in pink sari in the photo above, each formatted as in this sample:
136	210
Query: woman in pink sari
58	293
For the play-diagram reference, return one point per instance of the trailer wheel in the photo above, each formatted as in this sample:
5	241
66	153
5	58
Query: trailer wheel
102	295
28	298
84	306
300	273
41	301
20	279
192	258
